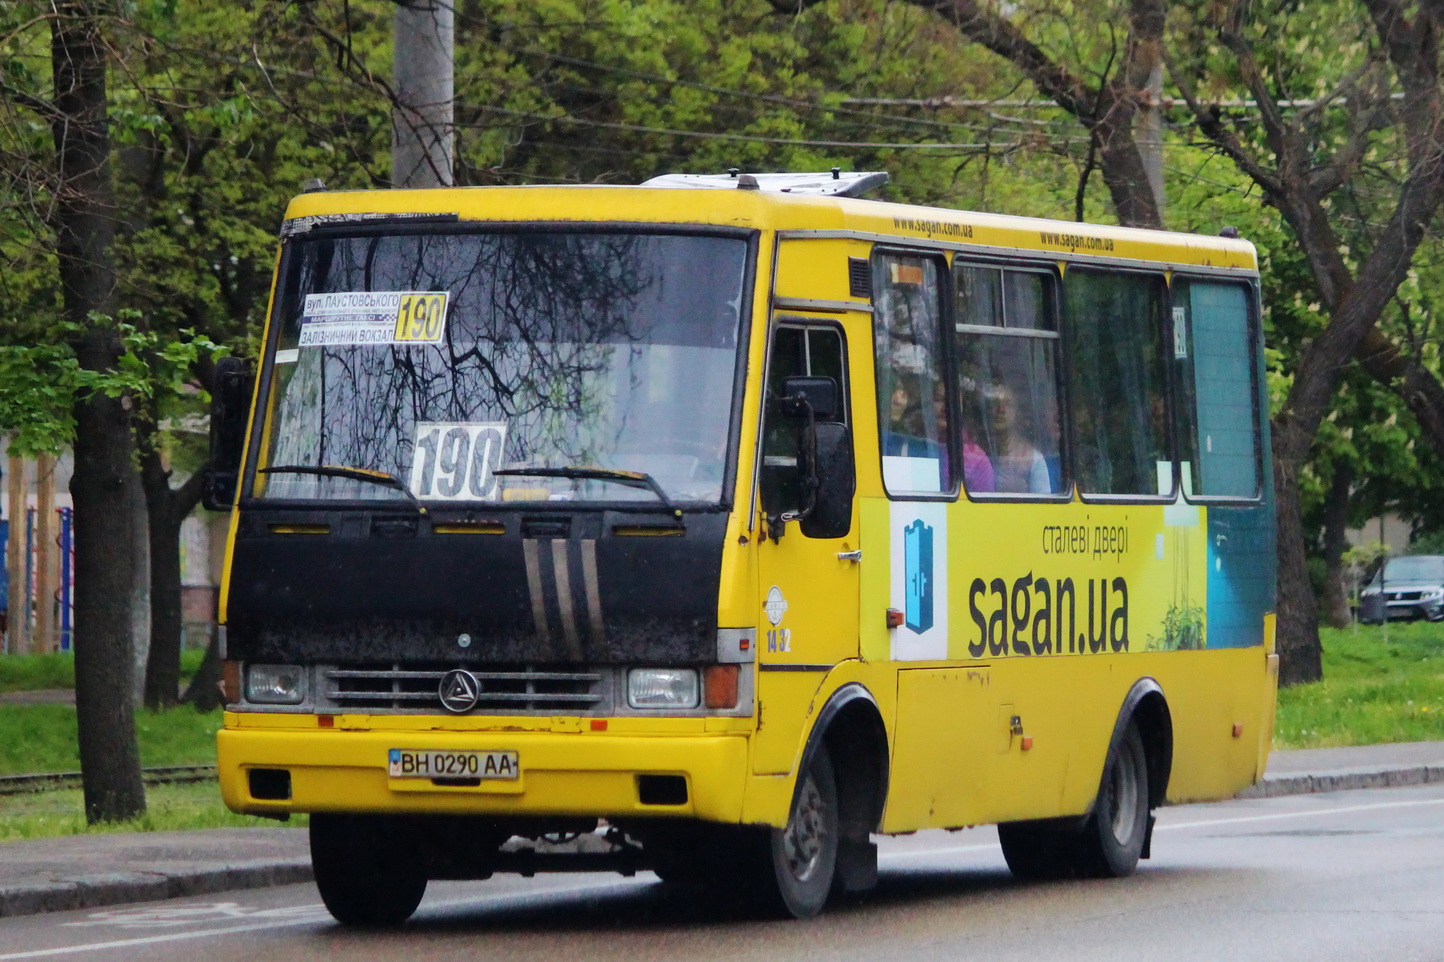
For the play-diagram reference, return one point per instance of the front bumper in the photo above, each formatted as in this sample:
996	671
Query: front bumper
1372	608
563	773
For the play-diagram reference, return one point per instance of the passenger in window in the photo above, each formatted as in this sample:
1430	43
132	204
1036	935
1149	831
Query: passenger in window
977	468
905	429
978	473
1019	467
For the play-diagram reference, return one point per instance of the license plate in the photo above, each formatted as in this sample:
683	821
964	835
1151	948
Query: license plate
415	763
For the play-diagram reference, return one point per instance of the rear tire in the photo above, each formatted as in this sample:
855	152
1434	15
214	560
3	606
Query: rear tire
1114	834
1110	840
367	874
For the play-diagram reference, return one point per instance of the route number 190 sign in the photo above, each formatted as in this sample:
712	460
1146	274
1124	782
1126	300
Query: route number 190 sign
454	461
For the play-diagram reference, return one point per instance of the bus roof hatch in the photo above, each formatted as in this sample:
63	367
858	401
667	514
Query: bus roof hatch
833	183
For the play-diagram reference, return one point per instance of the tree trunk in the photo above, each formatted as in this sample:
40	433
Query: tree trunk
1300	654
162	667
167	510
1335	601
83	220
139	585
204	693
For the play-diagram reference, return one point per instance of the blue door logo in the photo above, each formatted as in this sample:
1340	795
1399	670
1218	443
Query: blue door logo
918	551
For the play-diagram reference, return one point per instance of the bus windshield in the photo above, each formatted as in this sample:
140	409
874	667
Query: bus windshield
485	367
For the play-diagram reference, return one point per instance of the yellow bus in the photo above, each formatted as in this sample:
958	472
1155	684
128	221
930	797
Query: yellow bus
726	522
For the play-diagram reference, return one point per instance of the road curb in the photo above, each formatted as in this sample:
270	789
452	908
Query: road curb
1306	783
117	888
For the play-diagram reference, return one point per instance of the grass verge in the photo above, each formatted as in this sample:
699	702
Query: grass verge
37	672
42	738
57	670
169	808
1376	689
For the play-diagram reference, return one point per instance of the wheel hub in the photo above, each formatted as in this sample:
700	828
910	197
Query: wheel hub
803	840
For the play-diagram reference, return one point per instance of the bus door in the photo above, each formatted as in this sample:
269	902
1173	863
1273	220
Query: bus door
808	586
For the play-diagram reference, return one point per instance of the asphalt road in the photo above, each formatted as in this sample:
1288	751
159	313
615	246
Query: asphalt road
1346	875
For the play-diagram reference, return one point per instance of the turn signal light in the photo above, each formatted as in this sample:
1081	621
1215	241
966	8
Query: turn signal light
230	683
721	686
894	618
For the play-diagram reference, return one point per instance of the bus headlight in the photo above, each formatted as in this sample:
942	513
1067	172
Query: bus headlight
275	684
663	688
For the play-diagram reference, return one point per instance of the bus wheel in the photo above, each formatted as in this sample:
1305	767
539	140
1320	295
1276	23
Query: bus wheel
367	877
804	853
1110	840
1113	835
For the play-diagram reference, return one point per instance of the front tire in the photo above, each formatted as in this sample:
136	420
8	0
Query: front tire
367	874
800	859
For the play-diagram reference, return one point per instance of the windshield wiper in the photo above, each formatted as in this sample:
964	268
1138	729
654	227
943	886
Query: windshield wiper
631	479
383	478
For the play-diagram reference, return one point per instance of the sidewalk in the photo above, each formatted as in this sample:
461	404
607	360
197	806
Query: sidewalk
84	871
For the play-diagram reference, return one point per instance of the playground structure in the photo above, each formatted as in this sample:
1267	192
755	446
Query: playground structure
37	531
37	584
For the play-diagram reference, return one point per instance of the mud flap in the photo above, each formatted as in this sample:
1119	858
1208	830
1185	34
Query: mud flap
1148	838
857	865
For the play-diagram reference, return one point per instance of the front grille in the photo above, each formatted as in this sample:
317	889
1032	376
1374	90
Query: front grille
1405	595
504	688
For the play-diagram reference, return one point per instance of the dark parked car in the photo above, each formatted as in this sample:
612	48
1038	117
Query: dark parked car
1409	587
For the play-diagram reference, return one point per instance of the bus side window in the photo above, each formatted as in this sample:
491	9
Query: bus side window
1218	425
911	389
1114	334
1007	348
796	352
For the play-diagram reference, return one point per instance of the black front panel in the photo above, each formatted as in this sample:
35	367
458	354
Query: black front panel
356	586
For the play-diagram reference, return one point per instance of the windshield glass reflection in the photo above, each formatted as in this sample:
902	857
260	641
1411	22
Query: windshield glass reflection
440	359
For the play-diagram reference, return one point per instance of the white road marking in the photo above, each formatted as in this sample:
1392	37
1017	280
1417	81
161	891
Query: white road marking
319	916
1206	823
924	852
160	916
1318	811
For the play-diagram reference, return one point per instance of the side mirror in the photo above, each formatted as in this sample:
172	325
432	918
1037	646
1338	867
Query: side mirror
831	514
231	391
808	471
817	393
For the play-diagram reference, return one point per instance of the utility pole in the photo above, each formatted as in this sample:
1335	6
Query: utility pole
1149	132
422	120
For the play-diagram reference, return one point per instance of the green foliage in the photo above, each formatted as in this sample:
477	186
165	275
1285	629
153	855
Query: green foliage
40	384
1374	691
42	738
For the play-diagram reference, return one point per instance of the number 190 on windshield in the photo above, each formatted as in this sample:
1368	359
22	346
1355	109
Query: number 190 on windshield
455	461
